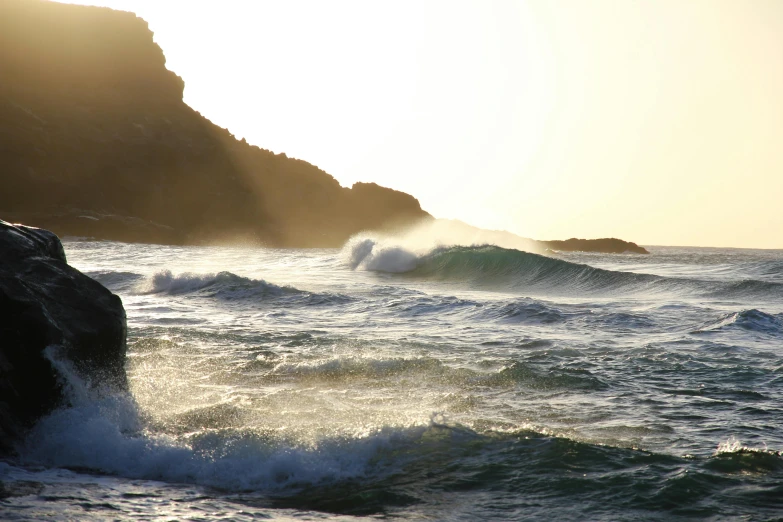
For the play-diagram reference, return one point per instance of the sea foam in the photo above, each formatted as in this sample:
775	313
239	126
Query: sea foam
372	254
107	432
222	284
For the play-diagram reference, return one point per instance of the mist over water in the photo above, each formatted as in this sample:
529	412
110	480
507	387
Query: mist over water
413	378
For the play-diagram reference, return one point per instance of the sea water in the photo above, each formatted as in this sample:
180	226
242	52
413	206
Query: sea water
442	383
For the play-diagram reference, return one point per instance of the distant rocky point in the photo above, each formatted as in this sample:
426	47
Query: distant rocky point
605	245
96	141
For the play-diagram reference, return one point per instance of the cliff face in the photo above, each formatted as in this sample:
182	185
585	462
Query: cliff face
96	140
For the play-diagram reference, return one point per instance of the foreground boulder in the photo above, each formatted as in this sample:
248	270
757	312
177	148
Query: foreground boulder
49	309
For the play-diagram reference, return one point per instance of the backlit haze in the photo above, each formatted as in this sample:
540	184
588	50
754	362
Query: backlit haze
659	122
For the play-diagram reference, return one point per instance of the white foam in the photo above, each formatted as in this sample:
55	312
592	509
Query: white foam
108	435
106	432
166	282
363	253
75	388
402	250
734	445
226	285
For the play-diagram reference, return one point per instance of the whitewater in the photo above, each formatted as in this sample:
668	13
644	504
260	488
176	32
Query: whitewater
426	382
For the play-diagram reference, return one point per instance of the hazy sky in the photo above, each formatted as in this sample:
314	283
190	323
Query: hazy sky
659	122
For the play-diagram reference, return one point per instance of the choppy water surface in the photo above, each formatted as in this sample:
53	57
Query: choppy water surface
455	383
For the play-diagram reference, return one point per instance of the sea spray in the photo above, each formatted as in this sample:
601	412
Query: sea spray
108	433
373	255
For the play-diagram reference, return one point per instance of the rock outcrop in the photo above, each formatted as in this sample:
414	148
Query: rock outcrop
95	140
604	245
49	310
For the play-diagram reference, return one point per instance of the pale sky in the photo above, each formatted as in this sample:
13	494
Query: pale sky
659	122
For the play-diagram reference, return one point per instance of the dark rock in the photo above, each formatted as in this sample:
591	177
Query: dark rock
604	245
48	308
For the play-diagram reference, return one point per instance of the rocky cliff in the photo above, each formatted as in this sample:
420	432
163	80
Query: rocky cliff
95	140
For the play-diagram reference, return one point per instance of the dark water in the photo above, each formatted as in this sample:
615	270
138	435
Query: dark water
446	383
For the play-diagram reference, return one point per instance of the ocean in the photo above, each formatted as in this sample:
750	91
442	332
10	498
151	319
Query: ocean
436	383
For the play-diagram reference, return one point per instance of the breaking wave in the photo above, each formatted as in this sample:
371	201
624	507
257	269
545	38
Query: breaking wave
489	265
222	284
749	320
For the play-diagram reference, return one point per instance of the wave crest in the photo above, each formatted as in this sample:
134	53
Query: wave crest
732	456
368	254
749	320
485	264
223	284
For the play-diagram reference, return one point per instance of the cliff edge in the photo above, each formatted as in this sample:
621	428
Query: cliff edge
95	140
